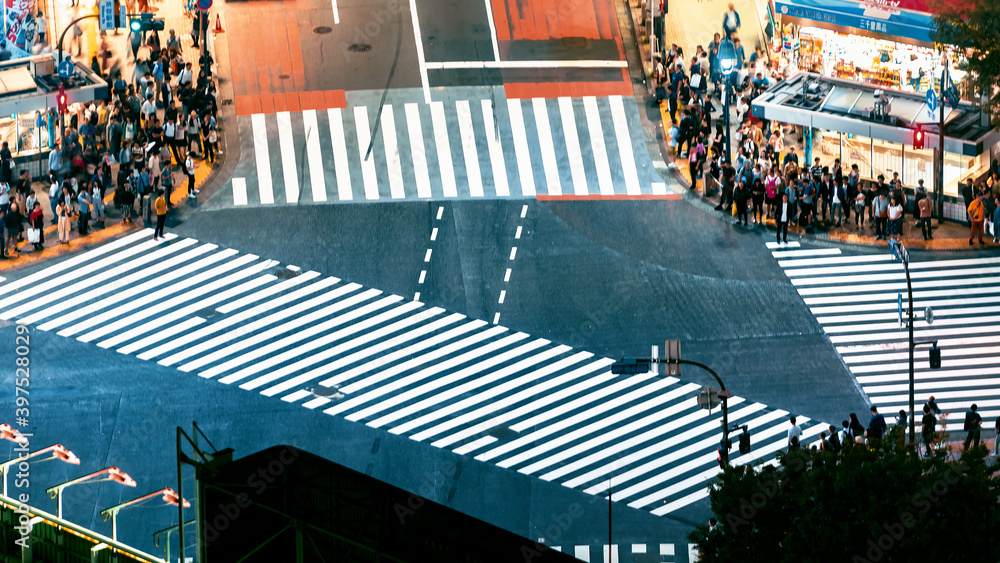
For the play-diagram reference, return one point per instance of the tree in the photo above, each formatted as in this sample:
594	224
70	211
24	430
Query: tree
865	504
972	25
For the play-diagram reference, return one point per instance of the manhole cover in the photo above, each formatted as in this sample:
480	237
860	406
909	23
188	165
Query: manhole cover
206	313
283	77
285	274
575	42
359	47
322	30
227	102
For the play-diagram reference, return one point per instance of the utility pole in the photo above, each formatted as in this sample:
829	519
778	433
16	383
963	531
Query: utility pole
940	159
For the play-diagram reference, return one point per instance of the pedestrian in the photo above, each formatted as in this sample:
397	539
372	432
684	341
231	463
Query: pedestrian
795	431
125	200
895	223
880	207
84	202
996	219
834	440
98	203
977	214
167	181
161	214
12	222
974	427
927	424
741	197
54	192
782	215
189	170
731	21
210	142
876	425
37	222
857	431
758	193
996	437
932	404
924	214
63	211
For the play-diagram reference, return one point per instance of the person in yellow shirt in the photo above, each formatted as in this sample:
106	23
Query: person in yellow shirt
161	214
977	214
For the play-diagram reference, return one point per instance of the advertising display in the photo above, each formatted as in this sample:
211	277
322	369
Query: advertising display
19	26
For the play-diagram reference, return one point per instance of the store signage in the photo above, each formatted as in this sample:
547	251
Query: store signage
106	14
871	15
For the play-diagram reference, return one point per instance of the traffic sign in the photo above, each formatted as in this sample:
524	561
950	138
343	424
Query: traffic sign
932	100
106	14
66	69
204	4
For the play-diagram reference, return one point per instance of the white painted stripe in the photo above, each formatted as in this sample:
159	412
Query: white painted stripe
73	296
659	188
343	347
521	151
980	396
918	323
872	389
89	275
952	353
625	146
691	498
572	140
392	157
336	12
399	357
503	294
917	295
416	135
858	278
549	163
445	165
311	344
917	334
172	329
803	262
421	63
289	168
254	326
475	445
582	552
598	395
263	158
524	210
434	234
294	325
198	342
317	179
773	245
423	275
427	255
649	401
493	31
538	396
453	65
285	284
192	278
367	164
940	303
506	276
213	296
366	352
239	191
473	175
668	548
490	396
513	252
434	393
440	212
800	253
597	147
341	163
496	151
939	313
71	264
922	372
638	548
386	402
298	396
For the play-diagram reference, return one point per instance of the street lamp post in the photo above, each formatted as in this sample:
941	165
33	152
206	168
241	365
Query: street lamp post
113	473
727	60
169	497
57	451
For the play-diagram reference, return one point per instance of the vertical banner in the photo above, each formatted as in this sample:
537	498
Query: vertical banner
19	26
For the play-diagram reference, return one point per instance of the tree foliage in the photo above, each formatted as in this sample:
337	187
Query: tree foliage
974	25
882	503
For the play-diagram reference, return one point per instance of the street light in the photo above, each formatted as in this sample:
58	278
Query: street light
169	497
900	253
7	432
57	451
727	60
113	473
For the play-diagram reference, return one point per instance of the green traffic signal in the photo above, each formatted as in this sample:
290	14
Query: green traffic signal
135	24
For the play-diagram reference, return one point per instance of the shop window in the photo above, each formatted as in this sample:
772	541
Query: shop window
887	158
857	150
919	165
826	146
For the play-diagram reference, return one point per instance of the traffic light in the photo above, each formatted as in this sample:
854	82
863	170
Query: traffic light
745	442
145	22
61	99
935	357
918	139
672	351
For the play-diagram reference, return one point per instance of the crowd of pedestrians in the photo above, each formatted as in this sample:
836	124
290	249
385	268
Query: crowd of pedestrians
133	145
761	186
853	433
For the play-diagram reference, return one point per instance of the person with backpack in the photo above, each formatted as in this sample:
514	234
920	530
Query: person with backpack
772	187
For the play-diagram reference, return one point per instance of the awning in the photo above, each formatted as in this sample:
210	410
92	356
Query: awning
872	18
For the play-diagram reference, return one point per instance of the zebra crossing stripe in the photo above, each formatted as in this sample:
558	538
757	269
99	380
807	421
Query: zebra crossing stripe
388	121
340	158
240	191
521	152
572	146
496	151
289	168
473	176
446	168
263	158
625	146
368	173
317	180
548	150
417	150
598	149
415	370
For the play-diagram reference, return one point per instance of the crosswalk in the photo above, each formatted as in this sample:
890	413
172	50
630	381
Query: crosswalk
482	148
856	298
615	553
440	378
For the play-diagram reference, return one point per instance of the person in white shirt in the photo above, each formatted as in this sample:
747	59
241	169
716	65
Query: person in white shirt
148	109
781	217
189	170
795	431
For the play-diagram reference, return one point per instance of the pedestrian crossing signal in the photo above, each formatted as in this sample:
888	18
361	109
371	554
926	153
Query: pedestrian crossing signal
745	443
935	357
61	99
628	366
918	139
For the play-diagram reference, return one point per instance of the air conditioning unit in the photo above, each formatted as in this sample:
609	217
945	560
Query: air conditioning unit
42	65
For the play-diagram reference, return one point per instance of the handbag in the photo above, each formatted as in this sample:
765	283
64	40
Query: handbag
34	235
696	81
